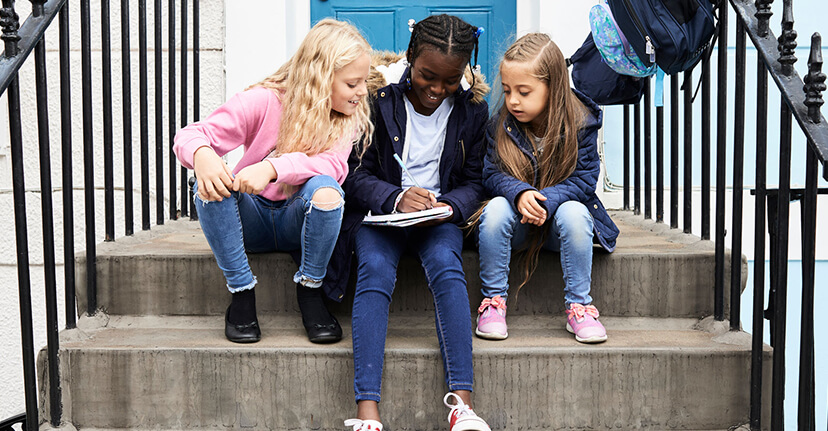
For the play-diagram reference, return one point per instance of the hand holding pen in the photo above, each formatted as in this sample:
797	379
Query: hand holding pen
415	198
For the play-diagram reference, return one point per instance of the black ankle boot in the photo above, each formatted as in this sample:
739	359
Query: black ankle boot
320	325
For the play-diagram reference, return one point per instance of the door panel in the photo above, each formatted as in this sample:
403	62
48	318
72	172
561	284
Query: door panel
385	22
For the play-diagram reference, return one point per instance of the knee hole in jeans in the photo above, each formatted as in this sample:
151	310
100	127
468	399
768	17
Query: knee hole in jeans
326	198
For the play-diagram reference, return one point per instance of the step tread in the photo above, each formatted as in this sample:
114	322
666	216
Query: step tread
184	238
282	332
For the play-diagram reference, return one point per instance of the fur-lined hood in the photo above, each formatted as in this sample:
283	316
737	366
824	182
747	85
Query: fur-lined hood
386	63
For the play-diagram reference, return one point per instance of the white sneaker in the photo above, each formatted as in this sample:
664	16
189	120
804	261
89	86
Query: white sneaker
461	417
363	425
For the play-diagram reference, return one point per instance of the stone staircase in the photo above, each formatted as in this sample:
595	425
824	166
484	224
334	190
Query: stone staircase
157	358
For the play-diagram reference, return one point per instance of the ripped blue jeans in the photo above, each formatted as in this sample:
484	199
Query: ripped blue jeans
250	223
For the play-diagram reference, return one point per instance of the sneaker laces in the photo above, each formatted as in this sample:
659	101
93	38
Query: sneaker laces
363	425
496	302
579	311
459	408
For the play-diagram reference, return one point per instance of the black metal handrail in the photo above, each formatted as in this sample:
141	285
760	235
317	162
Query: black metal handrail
7	424
27	41
800	106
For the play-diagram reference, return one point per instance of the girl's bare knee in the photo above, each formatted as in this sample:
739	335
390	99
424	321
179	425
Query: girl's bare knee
327	198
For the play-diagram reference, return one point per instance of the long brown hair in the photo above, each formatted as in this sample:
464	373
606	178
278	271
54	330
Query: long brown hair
564	117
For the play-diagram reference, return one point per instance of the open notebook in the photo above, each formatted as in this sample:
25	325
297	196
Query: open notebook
407	219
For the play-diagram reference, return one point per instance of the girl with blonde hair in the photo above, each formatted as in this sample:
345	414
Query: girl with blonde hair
297	127
542	169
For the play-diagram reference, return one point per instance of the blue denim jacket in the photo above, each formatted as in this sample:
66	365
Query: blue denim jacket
374	180
579	186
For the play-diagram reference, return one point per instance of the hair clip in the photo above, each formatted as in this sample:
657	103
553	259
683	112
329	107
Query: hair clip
478	32
411	23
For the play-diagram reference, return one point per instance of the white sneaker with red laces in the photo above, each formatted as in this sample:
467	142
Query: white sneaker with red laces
462	417
363	425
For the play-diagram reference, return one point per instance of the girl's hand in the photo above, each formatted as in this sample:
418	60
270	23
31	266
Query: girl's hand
416	199
213	175
529	207
254	178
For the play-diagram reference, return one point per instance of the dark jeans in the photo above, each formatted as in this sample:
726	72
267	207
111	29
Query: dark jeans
378	251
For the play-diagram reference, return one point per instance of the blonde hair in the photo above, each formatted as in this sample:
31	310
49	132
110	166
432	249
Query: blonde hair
563	118
304	85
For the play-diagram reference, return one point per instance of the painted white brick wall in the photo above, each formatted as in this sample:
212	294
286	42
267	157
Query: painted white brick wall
212	95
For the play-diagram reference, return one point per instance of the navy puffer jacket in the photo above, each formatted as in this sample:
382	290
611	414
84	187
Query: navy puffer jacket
579	186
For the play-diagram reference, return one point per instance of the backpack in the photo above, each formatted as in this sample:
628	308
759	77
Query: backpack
592	76
674	34
613	45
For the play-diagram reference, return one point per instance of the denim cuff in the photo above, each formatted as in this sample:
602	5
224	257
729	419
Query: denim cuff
306	281
245	287
461	387
368	396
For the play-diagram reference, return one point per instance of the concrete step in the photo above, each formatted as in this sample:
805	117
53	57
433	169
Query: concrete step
180	373
654	272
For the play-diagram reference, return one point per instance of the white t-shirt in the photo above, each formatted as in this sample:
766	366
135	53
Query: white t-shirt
425	137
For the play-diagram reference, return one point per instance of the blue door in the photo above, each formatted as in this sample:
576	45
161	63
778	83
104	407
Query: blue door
385	22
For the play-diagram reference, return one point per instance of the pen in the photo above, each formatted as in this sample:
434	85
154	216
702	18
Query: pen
402	165
413	180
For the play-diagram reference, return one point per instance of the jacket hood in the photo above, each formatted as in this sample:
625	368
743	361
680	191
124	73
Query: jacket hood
390	66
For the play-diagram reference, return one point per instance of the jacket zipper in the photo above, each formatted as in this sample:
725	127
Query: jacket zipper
649	49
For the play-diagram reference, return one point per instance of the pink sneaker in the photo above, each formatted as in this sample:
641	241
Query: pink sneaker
583	322
462	417
491	319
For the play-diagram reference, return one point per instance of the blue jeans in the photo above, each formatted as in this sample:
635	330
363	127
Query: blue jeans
250	223
378	251
570	233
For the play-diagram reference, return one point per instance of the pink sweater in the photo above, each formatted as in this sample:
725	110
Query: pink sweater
251	118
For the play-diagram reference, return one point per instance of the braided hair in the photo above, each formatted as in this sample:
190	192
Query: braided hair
448	34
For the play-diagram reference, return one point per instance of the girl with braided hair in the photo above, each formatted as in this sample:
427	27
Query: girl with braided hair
435	125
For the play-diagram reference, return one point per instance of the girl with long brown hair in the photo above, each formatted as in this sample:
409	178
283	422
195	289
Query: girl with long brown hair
542	168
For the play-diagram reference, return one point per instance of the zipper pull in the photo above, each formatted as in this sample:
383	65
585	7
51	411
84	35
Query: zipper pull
649	49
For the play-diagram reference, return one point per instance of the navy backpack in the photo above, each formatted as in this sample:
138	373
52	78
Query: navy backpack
593	77
671	33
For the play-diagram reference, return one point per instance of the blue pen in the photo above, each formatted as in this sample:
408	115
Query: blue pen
413	180
402	165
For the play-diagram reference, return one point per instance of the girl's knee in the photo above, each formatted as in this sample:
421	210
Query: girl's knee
497	213
327	198
573	215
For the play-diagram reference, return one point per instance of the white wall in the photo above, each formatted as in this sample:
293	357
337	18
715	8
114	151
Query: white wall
212	94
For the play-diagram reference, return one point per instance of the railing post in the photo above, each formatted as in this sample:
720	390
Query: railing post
88	157
106	75
787	44
66	166
738	178
10	23
814	86
648	142
758	321
626	157
721	144
47	217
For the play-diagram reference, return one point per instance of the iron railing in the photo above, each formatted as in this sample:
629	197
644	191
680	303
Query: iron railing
26	40
801	101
